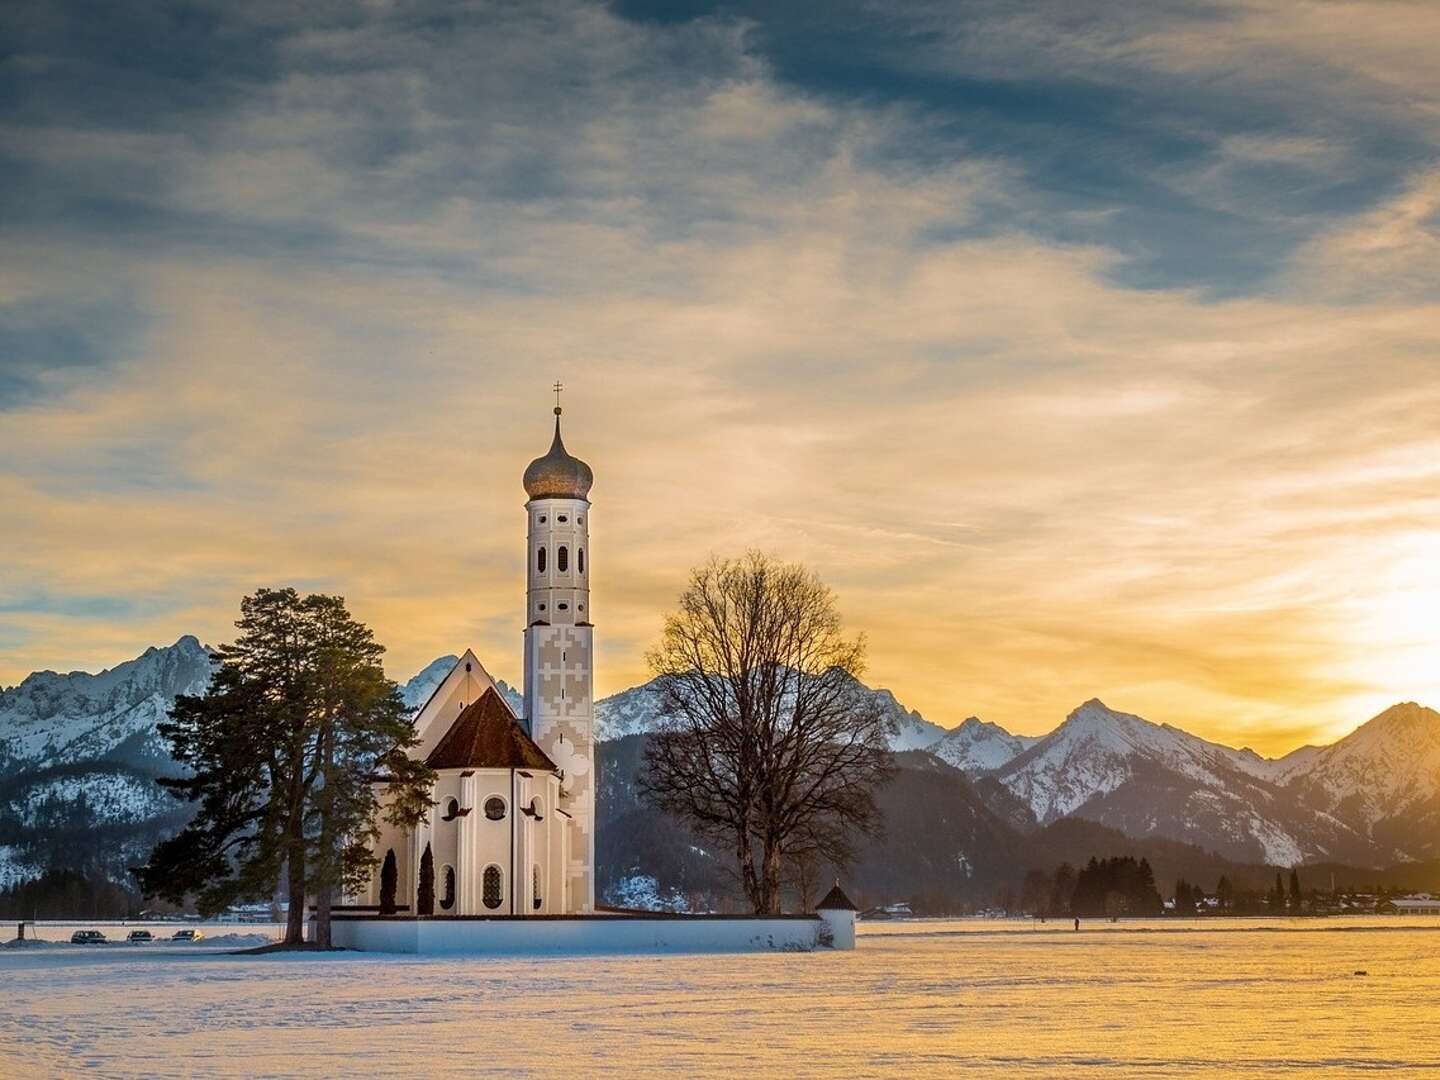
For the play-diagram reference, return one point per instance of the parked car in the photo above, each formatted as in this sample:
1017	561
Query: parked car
140	937
187	935
87	937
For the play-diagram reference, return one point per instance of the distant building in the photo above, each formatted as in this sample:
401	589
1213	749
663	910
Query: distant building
1420	904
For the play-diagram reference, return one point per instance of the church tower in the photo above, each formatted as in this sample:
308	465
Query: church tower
559	648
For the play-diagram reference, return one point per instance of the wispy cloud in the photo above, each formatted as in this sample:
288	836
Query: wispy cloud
1064	399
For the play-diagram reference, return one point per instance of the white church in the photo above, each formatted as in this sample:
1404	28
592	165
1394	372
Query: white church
512	831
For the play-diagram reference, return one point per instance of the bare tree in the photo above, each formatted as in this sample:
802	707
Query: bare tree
767	741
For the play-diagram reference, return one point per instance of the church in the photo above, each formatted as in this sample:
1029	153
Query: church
512	825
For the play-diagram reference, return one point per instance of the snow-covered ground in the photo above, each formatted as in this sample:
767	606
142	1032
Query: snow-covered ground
1153	998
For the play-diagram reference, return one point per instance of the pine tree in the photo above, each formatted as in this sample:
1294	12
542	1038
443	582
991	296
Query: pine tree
425	895
282	751
1296	901
1184	898
1277	896
1225	893
389	882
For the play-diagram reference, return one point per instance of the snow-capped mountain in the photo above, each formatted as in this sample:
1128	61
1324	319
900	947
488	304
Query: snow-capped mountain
1379	770
1383	779
52	719
417	691
81	749
977	746
1153	779
636	712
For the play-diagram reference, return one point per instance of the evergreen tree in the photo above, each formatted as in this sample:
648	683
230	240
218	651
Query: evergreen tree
1277	896
282	752
1225	893
425	895
1063	889
389	881
1184	898
1116	886
1296	901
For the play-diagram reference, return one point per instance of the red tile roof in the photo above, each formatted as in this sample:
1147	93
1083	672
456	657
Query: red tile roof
487	736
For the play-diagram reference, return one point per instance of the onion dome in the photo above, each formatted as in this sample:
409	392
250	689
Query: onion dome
557	475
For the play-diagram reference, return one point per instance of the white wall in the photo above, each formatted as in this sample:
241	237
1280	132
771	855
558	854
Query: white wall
596	934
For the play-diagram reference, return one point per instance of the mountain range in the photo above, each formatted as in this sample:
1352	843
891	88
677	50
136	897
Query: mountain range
79	753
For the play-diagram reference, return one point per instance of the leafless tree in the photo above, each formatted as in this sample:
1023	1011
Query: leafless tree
767	741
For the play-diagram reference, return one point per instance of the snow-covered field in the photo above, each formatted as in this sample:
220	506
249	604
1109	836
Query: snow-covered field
1228	998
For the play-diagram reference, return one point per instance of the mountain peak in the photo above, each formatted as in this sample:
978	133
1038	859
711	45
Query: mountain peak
1408	713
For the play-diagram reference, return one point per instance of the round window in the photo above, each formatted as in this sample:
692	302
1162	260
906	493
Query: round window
495	808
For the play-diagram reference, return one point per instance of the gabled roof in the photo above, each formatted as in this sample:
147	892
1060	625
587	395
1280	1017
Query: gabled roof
486	736
835	900
468	678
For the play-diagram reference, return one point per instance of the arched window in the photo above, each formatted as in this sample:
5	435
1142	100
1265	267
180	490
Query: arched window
562	559
537	808
447	888
491	892
580	559
538	900
452	810
495	808
540	560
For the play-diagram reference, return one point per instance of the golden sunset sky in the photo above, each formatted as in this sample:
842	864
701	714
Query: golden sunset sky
1085	353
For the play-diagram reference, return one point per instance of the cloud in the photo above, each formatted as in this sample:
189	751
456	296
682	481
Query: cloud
845	327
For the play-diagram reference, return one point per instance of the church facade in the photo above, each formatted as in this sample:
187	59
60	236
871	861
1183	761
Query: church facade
512	825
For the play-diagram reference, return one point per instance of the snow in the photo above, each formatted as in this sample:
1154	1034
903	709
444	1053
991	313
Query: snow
1386	765
13	868
117	797
643	893
1163	998
636	712
53	719
1097	749
418	690
977	746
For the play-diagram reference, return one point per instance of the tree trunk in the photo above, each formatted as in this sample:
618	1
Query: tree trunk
770	881
748	881
295	918
326	891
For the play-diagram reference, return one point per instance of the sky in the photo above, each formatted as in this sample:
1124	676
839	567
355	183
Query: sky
1085	349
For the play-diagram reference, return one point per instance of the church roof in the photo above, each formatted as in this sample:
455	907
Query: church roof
557	475
835	900
486	736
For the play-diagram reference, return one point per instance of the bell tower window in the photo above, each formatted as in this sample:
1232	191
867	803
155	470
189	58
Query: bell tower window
580	559
540	560
562	559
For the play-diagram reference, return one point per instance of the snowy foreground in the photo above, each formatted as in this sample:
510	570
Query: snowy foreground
1152	998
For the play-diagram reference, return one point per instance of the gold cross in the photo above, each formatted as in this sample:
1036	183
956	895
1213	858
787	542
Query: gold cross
557	388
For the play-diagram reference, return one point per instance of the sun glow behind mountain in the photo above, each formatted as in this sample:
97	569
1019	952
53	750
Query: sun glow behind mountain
1397	634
